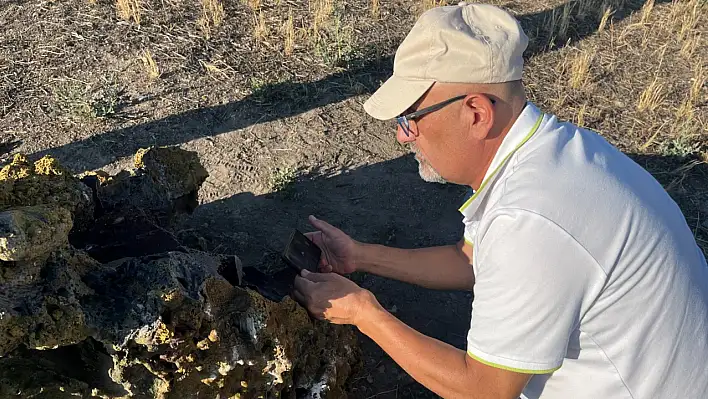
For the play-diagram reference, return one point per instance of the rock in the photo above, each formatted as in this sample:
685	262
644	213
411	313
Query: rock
171	324
58	373
32	232
45	311
273	346
133	313
165	181
136	208
176	171
45	182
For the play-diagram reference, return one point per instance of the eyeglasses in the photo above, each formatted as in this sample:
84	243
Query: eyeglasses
404	120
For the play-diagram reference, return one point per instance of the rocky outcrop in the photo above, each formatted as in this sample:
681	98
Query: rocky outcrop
110	304
30	232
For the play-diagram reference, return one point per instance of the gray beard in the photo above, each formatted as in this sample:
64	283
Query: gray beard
428	174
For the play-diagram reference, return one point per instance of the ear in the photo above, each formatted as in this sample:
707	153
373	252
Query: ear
478	113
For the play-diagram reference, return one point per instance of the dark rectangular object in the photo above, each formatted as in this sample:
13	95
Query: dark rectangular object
302	253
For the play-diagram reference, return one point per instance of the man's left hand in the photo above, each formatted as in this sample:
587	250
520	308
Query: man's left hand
332	297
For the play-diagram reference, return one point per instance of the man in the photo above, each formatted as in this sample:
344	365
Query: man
588	282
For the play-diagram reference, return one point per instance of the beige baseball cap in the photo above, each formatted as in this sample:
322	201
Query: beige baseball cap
465	43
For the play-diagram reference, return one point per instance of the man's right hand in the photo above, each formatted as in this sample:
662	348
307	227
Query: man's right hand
446	267
338	249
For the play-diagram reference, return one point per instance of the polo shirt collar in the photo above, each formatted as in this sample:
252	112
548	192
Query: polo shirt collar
521	131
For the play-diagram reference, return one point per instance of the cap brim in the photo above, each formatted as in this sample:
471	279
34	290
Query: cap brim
395	96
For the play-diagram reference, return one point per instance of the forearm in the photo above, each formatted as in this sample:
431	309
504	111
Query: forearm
436	365
443	267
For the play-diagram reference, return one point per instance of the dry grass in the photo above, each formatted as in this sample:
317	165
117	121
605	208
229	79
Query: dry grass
565	21
217	67
322	11
652	97
289	33
255	4
605	18
685	17
375	9
581	115
150	65
428	4
212	16
690	45
580	69
260	28
685	110
646	11
329	35
557	24
699	80
693	97
129	9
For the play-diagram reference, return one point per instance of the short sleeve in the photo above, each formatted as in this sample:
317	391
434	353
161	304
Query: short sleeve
533	283
470	230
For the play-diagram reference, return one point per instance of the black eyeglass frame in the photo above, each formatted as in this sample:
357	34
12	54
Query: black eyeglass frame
403	120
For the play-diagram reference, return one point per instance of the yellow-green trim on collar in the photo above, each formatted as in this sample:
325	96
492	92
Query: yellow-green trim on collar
484	183
499	366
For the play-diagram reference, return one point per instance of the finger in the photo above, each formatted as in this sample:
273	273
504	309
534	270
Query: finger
324	258
315	277
325	268
304	285
313	235
322	225
298	297
337	320
318	316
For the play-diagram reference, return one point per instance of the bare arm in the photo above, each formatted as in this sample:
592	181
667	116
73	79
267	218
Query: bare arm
442	368
444	267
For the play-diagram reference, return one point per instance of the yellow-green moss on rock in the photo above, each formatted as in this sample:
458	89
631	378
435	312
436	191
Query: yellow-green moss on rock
44	182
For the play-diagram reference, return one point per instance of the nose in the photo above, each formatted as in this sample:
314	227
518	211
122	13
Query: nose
401	135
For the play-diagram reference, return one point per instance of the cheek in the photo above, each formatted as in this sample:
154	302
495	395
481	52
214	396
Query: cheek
437	152
448	157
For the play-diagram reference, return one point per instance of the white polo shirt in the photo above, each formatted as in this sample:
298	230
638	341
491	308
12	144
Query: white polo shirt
587	274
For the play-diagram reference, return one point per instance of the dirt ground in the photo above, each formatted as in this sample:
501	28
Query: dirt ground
269	94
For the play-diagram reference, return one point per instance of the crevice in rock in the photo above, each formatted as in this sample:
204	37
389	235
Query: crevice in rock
86	363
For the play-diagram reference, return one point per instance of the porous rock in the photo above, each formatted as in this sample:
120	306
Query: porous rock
175	323
45	182
31	232
135	209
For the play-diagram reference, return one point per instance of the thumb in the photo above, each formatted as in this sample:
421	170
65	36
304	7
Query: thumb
322	225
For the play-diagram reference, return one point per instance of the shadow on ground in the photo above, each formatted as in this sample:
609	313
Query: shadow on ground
286	99
387	203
